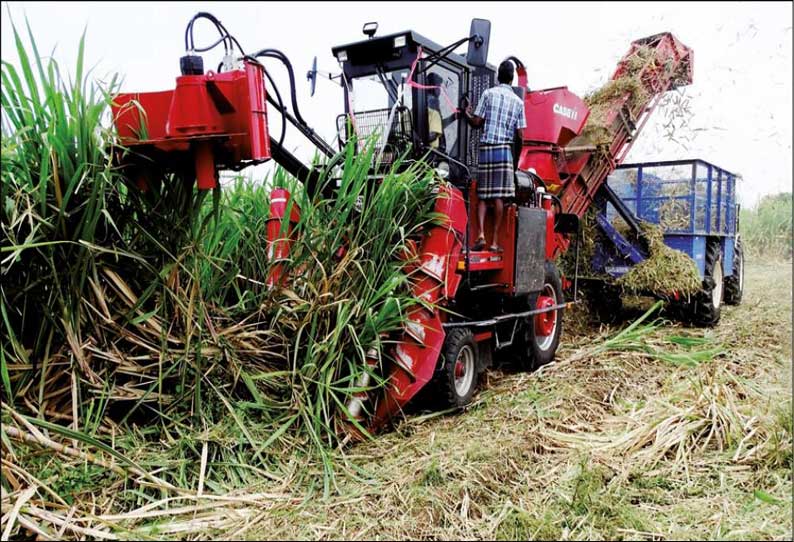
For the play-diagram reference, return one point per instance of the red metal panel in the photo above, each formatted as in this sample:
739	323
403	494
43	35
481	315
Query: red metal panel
257	99
554	116
484	261
128	117
544	160
452	208
501	270
435	280
507	240
226	110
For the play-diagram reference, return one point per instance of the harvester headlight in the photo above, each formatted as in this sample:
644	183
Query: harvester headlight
341	56
399	41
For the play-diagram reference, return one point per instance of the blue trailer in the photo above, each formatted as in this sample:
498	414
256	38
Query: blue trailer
694	202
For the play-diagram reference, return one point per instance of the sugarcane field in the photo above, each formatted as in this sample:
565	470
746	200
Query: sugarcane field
396	271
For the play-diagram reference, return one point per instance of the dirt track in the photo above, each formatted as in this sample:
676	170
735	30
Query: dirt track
618	444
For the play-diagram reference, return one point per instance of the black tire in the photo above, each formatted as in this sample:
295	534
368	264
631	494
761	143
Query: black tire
447	388
705	306
734	284
532	350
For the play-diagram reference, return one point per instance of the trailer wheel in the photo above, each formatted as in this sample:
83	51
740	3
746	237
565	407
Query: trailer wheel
456	378
704	308
539	335
734	285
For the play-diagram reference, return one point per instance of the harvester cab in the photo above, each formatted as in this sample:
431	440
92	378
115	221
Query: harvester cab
405	90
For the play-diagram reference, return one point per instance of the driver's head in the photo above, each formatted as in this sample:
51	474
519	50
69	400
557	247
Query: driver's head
435	80
506	72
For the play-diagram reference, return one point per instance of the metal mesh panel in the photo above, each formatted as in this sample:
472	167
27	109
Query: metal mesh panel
666	194
716	220
729	204
701	198
373	123
661	195
624	183
481	81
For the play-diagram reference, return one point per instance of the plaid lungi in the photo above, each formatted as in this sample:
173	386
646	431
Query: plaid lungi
495	178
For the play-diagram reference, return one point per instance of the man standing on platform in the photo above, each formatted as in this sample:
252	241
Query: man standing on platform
502	114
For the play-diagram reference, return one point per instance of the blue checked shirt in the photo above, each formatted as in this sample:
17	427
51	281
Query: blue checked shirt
503	112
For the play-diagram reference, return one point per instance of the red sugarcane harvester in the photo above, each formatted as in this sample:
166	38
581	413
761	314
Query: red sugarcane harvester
509	301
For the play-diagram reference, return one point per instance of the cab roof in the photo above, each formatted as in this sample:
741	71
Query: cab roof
365	51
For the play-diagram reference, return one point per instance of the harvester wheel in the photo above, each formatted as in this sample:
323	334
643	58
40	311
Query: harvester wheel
704	307
456	378
734	285
540	335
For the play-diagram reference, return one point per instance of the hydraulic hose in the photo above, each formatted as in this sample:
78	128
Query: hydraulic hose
516	61
278	105
298	119
278	55
225	37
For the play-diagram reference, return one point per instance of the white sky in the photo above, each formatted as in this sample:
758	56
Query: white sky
740	101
